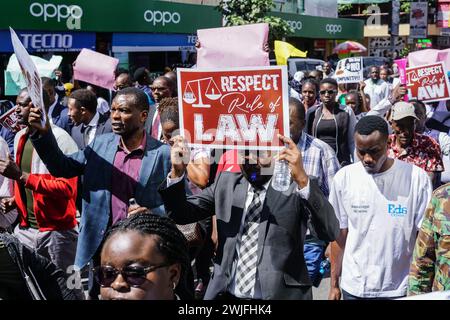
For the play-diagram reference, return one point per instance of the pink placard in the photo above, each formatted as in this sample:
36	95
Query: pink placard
422	57
444	56
95	68
240	46
402	64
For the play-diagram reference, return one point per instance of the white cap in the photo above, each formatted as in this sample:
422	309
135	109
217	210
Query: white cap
402	110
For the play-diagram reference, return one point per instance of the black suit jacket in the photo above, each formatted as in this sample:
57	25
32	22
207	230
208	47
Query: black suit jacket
149	122
281	265
103	126
60	117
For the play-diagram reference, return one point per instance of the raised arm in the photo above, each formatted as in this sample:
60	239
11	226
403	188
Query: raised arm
44	141
181	209
321	212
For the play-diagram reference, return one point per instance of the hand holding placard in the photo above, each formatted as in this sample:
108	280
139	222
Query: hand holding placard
179	156
35	121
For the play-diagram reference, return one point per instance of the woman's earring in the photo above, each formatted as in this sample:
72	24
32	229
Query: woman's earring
174	285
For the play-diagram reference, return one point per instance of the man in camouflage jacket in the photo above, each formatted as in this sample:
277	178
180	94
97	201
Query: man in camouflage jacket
430	267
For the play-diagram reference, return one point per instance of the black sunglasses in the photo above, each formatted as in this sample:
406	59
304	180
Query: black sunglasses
323	92
135	276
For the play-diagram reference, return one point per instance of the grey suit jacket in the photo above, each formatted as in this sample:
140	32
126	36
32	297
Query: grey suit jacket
103	126
281	265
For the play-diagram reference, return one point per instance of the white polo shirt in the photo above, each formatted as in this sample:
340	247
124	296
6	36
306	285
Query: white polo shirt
382	213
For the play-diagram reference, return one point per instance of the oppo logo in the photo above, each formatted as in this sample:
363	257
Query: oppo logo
333	28
60	11
161	17
295	25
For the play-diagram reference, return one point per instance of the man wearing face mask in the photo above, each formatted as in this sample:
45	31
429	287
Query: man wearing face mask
380	203
260	231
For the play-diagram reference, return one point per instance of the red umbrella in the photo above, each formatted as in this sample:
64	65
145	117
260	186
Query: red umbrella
349	47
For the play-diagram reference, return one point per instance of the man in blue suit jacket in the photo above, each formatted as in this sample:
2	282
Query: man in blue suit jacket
117	166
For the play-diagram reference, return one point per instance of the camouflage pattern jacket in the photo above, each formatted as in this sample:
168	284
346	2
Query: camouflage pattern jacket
430	267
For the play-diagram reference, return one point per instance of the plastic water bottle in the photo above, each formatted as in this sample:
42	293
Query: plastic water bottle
281	179
324	267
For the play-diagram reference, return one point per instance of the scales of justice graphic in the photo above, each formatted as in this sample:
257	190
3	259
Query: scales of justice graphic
212	92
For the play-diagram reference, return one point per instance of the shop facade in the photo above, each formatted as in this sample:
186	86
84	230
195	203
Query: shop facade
155	34
319	35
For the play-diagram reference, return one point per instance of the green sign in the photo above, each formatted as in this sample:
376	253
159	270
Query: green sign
150	16
323	28
361	1
108	16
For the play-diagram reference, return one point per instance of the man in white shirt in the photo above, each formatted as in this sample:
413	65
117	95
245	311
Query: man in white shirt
379	202
88	122
376	88
328	71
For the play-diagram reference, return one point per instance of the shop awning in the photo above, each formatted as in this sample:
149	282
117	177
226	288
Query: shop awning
323	28
362	1
148	42
35	41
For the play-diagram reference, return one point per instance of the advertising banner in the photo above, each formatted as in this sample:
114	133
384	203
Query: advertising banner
418	20
234	108
35	41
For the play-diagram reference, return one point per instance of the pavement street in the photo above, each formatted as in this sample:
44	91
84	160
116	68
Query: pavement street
321	293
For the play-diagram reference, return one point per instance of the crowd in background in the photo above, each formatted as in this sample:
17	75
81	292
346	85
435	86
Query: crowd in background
100	188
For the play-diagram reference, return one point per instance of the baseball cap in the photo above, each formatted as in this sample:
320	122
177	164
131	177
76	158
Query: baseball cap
402	110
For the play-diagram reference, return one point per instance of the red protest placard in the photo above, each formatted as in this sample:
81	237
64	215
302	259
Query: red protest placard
428	83
241	108
9	120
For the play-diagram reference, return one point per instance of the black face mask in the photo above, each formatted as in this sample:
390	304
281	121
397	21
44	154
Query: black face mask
252	172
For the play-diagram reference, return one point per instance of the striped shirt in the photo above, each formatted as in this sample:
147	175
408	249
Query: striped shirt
319	161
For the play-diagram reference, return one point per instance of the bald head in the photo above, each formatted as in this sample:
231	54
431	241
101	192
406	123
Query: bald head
123	81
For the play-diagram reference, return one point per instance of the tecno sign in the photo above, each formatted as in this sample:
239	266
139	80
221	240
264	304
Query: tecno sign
333	28
295	25
58	11
161	17
47	41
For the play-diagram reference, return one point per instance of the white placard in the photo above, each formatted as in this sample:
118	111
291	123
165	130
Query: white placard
349	70
30	73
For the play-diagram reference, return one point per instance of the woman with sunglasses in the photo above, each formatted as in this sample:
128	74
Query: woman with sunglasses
144	257
332	122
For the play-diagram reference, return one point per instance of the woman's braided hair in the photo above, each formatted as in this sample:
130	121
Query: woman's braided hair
170	241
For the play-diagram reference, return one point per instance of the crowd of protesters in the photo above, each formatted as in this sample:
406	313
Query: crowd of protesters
107	190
